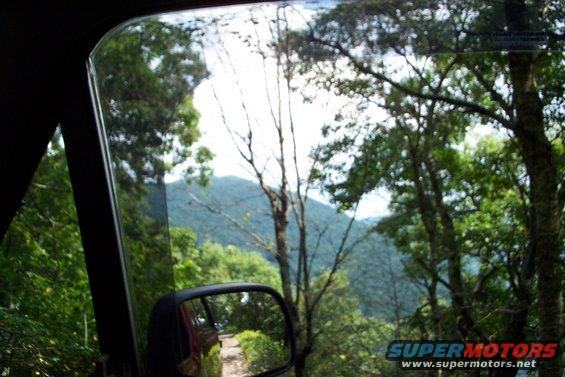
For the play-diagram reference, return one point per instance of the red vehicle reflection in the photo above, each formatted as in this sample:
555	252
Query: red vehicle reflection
199	340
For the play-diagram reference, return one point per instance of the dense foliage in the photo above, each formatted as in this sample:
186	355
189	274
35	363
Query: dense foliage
479	217
469	145
47	324
211	263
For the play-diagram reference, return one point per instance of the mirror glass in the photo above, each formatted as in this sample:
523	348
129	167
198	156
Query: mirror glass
232	335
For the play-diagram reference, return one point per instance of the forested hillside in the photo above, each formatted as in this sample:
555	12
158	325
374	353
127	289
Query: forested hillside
233	211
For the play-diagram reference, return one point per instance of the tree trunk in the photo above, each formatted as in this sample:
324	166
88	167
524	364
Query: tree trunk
305	349
465	323
537	153
281	223
428	216
514	330
305	336
436	313
516	324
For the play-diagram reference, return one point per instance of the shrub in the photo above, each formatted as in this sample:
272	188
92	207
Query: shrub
211	363
260	351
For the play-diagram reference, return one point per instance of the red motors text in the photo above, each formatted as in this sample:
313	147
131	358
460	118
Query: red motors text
510	350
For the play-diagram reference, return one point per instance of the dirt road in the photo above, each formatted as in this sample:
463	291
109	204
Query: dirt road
233	362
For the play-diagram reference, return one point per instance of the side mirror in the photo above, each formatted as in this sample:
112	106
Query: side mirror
236	329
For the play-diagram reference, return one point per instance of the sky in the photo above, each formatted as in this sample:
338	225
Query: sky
240	76
240	79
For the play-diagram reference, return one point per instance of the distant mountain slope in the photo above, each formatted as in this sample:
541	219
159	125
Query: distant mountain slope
373	264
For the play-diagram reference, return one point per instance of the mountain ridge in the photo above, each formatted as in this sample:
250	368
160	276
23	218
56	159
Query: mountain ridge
235	211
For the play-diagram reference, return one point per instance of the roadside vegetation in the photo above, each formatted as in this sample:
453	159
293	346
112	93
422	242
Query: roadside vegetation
260	351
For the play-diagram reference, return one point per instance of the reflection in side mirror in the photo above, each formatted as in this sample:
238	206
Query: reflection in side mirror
226	330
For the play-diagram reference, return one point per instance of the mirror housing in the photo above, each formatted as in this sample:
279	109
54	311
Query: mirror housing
165	351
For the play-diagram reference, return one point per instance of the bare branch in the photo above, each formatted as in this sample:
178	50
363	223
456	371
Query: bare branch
256	238
340	256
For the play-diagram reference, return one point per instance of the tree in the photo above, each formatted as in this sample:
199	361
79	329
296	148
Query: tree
284	183
210	263
515	91
357	342
402	155
146	74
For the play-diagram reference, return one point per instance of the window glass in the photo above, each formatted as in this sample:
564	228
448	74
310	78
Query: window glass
394	169
201	318
144	73
47	325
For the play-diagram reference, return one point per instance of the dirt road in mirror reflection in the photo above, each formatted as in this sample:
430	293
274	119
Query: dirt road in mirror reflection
233	362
